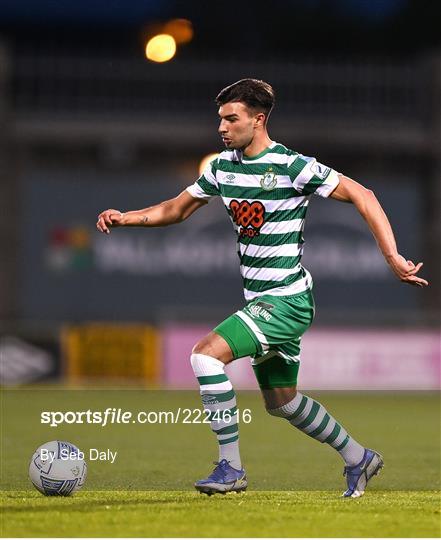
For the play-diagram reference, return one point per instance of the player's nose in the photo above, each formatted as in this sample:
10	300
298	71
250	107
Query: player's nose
222	128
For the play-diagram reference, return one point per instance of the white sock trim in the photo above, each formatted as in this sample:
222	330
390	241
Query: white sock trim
288	409
203	365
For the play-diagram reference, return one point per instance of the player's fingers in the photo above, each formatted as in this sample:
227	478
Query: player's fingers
414	269
103	217
415	280
102	225
410	282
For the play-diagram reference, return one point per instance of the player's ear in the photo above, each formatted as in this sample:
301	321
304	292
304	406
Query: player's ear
259	119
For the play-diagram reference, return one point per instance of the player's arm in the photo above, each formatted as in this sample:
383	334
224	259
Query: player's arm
166	213
367	204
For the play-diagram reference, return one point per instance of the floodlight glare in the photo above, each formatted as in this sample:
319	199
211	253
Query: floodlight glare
160	48
180	29
205	161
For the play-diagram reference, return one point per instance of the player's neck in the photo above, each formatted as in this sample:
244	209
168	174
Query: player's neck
257	146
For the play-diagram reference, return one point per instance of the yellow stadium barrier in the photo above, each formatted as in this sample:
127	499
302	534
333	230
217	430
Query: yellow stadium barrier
125	352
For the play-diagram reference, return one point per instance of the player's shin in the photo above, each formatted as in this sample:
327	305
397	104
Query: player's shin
219	399
312	418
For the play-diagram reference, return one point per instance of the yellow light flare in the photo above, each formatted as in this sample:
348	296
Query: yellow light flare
205	161
180	29
160	48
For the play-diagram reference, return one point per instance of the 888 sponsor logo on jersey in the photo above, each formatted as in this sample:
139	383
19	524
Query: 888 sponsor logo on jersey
248	216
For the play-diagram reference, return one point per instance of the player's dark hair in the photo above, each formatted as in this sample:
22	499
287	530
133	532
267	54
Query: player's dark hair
255	94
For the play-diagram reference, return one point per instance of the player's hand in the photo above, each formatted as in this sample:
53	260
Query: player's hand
407	271
108	219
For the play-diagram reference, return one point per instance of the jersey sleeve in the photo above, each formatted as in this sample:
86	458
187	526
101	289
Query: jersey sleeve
206	185
310	177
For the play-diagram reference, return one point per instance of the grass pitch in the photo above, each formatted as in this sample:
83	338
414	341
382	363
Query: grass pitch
295	482
252	514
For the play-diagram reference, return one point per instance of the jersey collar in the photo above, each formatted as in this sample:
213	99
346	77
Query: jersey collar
260	154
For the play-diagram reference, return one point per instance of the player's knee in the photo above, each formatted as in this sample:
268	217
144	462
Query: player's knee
199	348
199	355
209	346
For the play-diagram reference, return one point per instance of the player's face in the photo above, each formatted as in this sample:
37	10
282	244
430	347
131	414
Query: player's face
237	125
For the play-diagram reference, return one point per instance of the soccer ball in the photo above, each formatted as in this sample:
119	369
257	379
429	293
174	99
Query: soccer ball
58	468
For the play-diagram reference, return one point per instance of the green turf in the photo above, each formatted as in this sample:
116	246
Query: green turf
295	482
255	514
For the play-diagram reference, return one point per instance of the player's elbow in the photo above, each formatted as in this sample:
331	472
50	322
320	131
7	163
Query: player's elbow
179	217
369	199
173	213
364	199
369	194
362	194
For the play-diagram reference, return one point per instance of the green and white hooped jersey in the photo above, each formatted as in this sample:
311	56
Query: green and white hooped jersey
267	197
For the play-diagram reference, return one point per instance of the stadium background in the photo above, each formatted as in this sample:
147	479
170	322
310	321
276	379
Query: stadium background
89	321
87	123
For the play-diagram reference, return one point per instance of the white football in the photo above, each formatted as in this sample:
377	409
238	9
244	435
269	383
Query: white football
58	468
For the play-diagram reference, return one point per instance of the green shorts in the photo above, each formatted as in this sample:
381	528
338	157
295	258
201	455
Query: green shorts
269	329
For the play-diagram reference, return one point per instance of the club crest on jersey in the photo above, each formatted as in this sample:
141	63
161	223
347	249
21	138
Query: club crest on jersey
269	180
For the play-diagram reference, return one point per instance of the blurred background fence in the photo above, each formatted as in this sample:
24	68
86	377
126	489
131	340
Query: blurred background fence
87	123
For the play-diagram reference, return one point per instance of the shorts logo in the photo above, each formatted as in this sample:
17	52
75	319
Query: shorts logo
269	180
265	305
249	217
257	310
